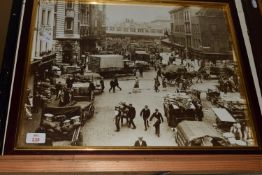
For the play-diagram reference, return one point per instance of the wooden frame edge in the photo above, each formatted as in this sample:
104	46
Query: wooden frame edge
134	163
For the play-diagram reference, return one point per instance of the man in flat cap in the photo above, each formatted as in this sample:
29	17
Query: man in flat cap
131	116
159	120
140	142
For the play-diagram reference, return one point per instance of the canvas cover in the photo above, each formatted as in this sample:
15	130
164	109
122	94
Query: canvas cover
223	115
110	61
69	111
196	129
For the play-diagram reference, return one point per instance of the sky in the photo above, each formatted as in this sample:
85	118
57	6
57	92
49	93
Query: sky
117	13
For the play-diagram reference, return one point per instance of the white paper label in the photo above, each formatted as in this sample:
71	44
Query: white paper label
35	138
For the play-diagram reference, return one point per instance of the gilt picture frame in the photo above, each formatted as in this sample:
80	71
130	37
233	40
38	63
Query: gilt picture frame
129	76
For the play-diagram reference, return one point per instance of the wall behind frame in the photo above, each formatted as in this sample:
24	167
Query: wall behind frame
5	9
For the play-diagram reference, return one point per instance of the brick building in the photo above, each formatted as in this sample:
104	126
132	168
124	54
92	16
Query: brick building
200	32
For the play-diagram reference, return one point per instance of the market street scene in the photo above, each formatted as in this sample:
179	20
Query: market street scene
112	76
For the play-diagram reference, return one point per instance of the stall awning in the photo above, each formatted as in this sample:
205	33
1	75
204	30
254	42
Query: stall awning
223	115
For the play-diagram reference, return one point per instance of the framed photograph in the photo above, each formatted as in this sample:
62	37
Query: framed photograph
123	76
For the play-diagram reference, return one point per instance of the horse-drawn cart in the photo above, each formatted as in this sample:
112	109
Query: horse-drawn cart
64	123
178	74
180	106
213	95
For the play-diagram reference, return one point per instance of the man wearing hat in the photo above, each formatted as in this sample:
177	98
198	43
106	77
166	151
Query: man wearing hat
102	84
140	142
131	116
145	113
159	118
117	118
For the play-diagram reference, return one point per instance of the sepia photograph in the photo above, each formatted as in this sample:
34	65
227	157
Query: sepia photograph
133	76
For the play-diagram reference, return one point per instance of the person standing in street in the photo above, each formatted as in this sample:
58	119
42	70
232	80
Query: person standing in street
156	85
131	115
199	77
134	71
164	82
159	72
145	113
141	71
159	120
58	88
136	85
69	81
102	84
117	118
117	84
112	86
140	142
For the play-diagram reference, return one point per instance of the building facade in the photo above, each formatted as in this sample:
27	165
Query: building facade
67	31
198	32
42	56
128	35
209	26
43	31
92	27
129	27
79	28
181	28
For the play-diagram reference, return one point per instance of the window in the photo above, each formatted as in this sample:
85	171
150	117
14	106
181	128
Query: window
177	29
48	17
40	47
69	5
187	28
69	23
132	30
43	17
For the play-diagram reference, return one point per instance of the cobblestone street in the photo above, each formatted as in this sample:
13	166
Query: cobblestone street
100	130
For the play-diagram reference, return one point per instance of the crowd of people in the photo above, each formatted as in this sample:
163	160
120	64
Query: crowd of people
128	112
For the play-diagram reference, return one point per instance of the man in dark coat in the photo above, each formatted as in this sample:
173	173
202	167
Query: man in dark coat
145	113
156	85
117	118
159	120
70	81
140	142
131	115
102	84
117	84
112	86
58	88
92	86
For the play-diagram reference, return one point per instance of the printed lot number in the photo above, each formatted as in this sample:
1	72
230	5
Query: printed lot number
35	138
